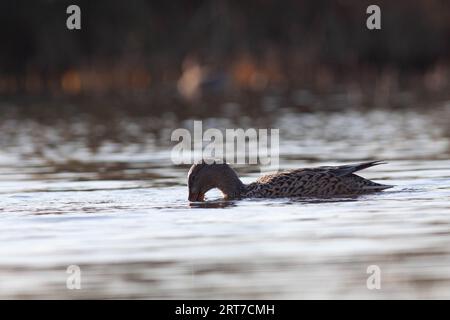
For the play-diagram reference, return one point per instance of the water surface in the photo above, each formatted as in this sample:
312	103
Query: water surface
106	197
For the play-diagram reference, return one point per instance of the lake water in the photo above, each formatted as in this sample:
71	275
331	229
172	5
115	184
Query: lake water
107	198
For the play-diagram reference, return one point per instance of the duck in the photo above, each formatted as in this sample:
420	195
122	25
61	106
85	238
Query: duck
324	181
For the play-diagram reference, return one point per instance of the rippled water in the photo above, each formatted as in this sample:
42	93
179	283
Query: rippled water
71	193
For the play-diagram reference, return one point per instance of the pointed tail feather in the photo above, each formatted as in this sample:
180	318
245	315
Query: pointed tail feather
349	169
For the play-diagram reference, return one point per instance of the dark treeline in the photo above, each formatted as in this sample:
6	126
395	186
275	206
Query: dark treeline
194	47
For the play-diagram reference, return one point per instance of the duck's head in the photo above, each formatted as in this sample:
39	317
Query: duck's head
203	177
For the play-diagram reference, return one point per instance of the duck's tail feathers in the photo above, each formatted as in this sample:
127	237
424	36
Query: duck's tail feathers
349	169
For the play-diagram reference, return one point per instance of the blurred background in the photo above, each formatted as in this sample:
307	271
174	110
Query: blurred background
86	176
196	57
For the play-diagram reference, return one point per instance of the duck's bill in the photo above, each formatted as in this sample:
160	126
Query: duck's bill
196	196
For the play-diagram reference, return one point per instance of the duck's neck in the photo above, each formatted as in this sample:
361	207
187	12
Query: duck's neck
232	189
241	190
227	181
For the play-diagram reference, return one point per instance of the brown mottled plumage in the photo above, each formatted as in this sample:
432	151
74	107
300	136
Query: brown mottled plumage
310	182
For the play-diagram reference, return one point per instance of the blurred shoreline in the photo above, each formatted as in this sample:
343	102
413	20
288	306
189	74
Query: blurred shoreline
202	58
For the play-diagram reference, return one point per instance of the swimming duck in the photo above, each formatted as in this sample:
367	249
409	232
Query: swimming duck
309	182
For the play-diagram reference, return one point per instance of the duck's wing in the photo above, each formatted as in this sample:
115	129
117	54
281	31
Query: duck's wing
342	171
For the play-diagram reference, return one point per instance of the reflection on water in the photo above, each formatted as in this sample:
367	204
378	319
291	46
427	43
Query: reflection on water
106	197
